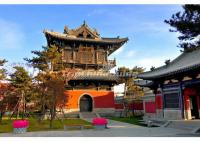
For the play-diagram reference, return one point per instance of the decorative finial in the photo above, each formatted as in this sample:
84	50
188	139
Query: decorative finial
44	31
84	23
167	62
66	29
96	32
152	68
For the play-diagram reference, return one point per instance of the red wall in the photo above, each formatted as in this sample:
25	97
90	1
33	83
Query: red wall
188	92
150	107
133	106
119	106
159	102
137	106
102	99
187	102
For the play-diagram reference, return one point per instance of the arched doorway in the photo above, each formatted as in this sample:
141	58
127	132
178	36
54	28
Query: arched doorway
85	103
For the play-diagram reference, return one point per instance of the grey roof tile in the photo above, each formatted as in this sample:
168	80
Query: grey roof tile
185	62
95	75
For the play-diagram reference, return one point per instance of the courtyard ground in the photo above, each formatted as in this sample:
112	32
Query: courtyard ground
132	120
116	129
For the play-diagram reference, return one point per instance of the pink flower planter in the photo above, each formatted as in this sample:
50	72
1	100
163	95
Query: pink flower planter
100	123
20	126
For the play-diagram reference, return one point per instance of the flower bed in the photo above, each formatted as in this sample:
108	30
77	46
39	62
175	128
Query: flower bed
20	126
100	123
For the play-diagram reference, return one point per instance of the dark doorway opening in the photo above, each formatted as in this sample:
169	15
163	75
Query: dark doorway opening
194	107
86	103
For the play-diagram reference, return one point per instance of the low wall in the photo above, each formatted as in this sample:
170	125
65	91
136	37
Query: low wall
135	107
100	99
131	106
150	107
172	114
159	113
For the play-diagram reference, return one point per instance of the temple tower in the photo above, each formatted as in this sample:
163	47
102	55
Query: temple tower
85	50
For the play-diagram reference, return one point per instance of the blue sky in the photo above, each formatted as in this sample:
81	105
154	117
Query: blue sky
150	42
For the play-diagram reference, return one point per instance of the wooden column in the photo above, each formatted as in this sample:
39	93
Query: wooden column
96	55
73	56
181	100
106	57
162	96
198	102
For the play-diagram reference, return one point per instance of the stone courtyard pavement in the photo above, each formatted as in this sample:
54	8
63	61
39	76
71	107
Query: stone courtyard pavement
116	129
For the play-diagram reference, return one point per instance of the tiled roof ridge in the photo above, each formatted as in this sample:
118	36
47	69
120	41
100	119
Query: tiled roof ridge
111	40
91	72
88	28
74	32
191	49
96	75
163	66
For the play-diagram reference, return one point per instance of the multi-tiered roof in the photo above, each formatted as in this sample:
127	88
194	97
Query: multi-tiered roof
84	49
85	34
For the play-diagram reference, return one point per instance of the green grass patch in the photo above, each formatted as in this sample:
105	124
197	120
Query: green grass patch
132	120
87	125
6	125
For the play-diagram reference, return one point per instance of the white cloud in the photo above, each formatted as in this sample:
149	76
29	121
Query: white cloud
156	61
11	35
130	53
154	27
147	63
118	51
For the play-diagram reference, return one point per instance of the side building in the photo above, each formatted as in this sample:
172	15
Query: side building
175	88
83	49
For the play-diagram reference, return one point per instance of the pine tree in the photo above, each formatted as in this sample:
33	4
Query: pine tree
187	23
128	77
132	92
22	83
2	70
52	78
2	95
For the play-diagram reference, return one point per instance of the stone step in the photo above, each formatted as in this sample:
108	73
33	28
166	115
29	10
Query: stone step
189	125
154	122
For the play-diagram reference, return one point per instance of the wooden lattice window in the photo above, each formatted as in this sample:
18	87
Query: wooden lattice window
86	55
68	55
101	57
171	100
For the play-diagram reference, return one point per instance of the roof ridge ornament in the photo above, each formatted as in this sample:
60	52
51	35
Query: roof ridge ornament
84	23
96	31
45	30
167	62
66	30
152	68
